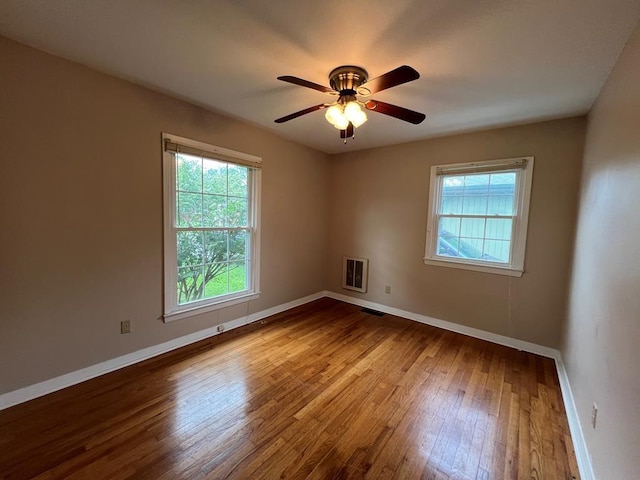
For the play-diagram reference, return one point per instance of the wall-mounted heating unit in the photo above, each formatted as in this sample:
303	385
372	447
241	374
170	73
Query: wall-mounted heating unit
354	273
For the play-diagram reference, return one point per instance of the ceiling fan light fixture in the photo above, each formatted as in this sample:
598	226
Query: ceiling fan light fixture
349	82
340	115
334	114
355	114
342	123
359	119
336	117
351	109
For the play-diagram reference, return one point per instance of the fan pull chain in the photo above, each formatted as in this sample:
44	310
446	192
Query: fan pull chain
353	137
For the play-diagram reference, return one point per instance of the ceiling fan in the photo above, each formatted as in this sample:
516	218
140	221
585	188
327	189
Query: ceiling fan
349	82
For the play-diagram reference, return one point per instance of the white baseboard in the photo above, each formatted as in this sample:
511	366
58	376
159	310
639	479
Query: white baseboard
21	395
582	454
579	444
453	327
48	386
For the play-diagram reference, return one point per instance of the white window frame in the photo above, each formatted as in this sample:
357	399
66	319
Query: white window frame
521	218
172	310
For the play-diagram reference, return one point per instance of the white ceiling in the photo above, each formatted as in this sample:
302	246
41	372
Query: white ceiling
483	63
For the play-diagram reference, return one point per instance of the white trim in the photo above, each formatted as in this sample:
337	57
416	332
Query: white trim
21	395
579	444
172	309
175	144
180	314
48	386
452	327
520	220
437	262
484	166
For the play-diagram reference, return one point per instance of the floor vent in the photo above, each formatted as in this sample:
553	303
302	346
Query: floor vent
371	311
354	273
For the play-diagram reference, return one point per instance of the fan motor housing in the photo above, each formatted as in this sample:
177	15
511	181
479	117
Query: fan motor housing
347	79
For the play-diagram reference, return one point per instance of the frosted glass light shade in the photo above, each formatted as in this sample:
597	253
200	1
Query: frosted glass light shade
333	114
339	116
358	119
352	108
355	114
342	123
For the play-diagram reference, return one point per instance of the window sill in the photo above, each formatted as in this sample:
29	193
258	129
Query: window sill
210	307
509	271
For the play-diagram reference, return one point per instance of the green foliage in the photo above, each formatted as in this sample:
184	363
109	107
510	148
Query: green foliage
211	194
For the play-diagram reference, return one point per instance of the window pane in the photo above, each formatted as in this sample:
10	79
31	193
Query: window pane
216	249
499	228
449	226
452	194
476	184
237	212
451	183
474	205
451	205
190	249
216	279
238	245
500	205
215	210
448	246
189	173
238	180
214	176
189	207
238	276
504	178
470	247
497	250
476	188
190	284
502	194
472	227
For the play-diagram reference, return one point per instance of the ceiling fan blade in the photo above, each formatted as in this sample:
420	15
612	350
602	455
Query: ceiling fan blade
390	79
348	132
305	83
395	111
291	116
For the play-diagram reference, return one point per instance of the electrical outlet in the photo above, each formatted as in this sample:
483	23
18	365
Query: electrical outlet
594	415
387	289
220	328
125	326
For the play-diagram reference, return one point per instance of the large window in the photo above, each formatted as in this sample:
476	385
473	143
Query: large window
211	215
478	215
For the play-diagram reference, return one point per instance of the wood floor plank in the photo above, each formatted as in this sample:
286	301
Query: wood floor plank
322	391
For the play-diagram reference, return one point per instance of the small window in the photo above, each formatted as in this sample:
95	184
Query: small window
211	216
478	214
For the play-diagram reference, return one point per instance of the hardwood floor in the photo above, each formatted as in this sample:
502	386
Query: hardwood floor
323	391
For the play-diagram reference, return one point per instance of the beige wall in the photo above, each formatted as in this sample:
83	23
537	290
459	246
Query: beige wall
378	211
81	244
81	215
601	348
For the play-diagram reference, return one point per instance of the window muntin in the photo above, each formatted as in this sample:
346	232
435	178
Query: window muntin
211	227
478	215
475	216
